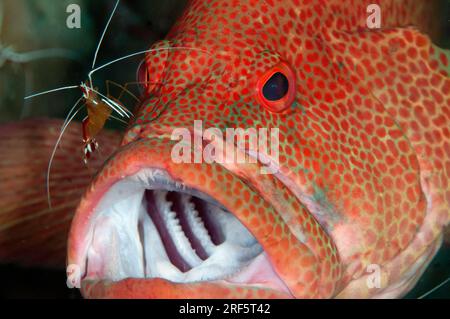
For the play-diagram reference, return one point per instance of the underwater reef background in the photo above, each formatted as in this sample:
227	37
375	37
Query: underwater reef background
39	52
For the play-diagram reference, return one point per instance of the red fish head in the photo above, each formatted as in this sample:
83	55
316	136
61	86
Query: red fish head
334	205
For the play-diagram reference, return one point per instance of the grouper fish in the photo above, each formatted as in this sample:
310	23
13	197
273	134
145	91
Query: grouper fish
359	197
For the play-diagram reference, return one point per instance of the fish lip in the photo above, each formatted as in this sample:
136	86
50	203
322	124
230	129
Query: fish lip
132	288
85	214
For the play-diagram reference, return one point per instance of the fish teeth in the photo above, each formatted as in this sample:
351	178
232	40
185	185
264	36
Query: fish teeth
197	225
172	216
161	197
157	262
172	223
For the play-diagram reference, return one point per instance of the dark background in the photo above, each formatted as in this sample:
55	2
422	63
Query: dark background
29	25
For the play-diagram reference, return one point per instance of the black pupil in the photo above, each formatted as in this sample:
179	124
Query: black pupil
276	87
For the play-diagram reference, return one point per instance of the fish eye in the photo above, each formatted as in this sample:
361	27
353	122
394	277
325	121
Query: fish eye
276	88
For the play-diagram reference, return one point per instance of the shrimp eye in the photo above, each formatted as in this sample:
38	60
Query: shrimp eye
276	88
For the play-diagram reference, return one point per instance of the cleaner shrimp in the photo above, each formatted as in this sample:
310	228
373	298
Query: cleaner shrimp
99	107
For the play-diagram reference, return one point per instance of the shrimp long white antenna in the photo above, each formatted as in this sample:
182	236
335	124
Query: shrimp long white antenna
93	61
121	110
63	129
112	62
142	52
115	107
71	110
103	34
51	91
119	119
434	289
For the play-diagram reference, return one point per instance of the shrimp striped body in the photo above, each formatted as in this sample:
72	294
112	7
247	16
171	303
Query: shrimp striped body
97	114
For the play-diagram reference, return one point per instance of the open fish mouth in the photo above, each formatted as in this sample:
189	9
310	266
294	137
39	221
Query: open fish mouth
166	231
147	226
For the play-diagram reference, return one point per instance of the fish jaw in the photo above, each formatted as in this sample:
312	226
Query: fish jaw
269	261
